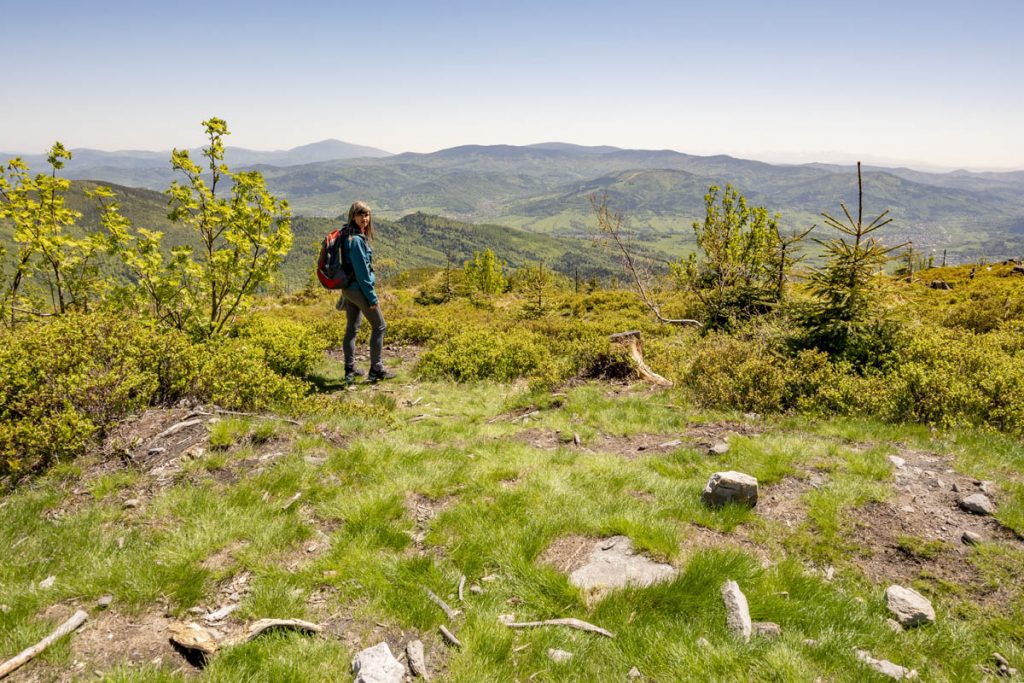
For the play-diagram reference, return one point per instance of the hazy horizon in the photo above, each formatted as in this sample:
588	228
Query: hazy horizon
922	84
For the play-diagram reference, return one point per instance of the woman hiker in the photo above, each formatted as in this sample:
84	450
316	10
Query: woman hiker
360	298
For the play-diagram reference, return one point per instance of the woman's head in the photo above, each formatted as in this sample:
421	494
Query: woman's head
360	217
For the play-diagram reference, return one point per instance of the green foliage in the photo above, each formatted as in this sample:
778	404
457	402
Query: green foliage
847	319
290	347
480	354
63	382
235	373
54	270
485	273
742	264
243	237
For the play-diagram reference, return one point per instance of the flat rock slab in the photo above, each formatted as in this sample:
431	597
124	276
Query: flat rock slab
887	668
908	606
613	563
192	636
377	665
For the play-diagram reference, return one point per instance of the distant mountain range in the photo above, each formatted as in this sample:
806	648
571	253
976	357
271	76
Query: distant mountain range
546	188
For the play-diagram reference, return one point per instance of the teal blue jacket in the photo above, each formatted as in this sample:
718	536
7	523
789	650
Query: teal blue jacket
359	253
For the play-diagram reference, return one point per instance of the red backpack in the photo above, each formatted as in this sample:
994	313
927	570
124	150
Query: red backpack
332	268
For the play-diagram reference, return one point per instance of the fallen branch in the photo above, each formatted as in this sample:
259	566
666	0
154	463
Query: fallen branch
634	348
568	623
262	417
175	428
294	624
449	636
452	613
69	626
462	584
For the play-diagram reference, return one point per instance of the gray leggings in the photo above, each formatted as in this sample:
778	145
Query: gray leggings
355	305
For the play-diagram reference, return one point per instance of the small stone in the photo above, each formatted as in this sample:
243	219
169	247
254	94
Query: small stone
47	582
120	543
737	612
377	665
105	601
131	503
909	509
726	487
476	590
810	642
978	503
766	629
417	660
830	573
704	643
1011	672
193	452
156	451
894	625
558	656
192	636
908	606
956	489
674	443
886	668
988	487
5	609
719	448
898	462
970	538
635	673
1000	660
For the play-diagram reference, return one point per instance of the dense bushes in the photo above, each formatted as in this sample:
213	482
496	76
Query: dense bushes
485	354
65	382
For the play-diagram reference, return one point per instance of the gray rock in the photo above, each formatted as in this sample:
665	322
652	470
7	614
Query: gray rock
417	660
613	563
105	601
730	487
887	668
766	629
979	504
898	462
956	489
131	503
737	612
718	448
704	643
377	665
635	673
1000	660
908	606
970	538
559	656
894	625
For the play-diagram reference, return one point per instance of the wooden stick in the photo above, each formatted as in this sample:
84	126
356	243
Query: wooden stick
462	584
452	613
449	636
295	624
69	626
569	623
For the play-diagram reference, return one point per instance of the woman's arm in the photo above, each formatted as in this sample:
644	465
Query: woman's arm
359	256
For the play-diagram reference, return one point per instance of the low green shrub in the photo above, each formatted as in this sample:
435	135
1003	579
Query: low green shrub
290	347
479	354
235	374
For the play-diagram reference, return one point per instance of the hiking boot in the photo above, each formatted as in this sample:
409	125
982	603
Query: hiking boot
379	375
352	374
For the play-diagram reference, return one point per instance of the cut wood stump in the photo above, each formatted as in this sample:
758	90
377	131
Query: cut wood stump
634	349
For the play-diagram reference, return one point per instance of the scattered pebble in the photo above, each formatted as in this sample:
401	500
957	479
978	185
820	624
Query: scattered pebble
898	462
476	590
47	582
558	656
105	601
970	538
719	448
894	625
979	504
766	629
635	673
704	643
730	487
886	668
131	503
417	660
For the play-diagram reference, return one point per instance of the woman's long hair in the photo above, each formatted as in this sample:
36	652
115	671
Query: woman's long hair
358	209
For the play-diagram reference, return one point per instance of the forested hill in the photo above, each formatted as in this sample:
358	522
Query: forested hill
413	241
546	188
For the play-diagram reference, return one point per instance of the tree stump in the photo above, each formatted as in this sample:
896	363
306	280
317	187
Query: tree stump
634	349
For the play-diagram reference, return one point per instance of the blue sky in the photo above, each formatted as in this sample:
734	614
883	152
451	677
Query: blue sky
934	83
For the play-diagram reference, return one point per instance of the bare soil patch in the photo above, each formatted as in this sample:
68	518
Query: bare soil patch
424	509
925	513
